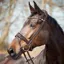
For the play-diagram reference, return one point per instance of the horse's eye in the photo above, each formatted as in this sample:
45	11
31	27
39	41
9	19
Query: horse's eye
31	25
39	22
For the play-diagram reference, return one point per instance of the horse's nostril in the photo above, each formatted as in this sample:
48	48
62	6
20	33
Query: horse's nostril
11	52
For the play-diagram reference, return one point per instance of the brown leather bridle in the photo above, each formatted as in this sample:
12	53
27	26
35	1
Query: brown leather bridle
29	43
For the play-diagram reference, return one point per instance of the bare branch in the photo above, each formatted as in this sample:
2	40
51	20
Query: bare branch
7	26
6	10
14	20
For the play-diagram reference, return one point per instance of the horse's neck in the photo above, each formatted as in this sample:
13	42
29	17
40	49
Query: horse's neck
58	36
55	48
57	33
56	39
55	44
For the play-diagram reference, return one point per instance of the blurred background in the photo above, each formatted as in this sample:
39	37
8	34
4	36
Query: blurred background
13	14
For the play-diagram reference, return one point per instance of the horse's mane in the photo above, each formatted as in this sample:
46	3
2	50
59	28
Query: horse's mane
52	21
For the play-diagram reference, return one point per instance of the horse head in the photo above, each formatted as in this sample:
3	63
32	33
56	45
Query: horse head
34	33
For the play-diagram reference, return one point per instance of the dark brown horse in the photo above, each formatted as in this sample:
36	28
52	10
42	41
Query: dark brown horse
39	29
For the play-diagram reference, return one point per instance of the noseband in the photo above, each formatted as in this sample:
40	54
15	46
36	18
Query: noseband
29	43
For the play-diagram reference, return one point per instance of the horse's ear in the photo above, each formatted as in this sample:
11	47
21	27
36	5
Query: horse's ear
31	8
37	8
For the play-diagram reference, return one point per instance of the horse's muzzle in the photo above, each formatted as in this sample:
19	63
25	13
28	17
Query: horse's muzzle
12	53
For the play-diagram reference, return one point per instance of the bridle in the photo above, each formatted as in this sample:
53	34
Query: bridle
29	43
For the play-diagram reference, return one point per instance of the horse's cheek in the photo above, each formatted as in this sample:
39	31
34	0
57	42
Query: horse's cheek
43	37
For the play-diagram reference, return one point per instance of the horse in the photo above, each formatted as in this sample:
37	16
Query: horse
40	29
